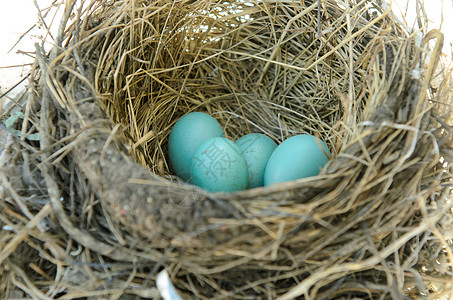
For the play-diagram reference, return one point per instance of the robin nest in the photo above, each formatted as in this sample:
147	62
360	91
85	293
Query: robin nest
90	207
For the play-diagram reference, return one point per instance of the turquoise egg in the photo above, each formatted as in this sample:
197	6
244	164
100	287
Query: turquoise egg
186	136
218	165
297	157
257	149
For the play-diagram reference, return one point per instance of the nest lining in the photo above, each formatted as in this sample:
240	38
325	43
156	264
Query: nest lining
371	225
248	65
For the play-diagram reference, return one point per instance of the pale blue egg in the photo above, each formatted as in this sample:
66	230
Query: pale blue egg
297	157
186	136
257	149
218	165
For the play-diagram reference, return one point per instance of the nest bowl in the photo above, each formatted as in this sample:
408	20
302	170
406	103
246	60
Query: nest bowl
121	73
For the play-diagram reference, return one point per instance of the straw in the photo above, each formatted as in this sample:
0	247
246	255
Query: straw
376	222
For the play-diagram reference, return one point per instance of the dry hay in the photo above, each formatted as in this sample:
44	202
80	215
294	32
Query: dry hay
81	218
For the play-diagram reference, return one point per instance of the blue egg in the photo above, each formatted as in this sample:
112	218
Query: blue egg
218	165
297	157
257	149
186	136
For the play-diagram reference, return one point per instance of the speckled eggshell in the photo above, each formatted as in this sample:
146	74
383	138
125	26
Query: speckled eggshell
186	136
297	157
257	149
218	165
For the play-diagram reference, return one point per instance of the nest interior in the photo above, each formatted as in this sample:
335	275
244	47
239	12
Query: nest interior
93	210
256	67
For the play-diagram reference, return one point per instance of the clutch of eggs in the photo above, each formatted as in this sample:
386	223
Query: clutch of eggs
200	154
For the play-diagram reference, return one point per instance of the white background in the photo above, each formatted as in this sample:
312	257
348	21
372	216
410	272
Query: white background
18	16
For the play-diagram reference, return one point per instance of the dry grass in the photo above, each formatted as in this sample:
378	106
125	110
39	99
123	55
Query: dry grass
92	210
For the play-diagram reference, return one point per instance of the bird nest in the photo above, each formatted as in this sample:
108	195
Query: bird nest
90	207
